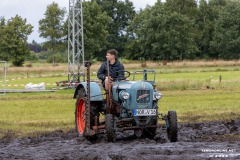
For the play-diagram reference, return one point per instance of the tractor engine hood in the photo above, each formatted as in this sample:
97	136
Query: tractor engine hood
132	85
124	85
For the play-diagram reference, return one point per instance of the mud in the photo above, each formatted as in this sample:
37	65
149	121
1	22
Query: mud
206	140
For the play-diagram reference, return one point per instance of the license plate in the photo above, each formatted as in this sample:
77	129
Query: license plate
144	112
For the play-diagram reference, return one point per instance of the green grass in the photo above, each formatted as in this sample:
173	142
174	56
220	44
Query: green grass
194	92
167	76
164	81
227	75
202	105
30	113
33	113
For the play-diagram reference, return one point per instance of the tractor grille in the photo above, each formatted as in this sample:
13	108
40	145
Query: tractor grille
143	96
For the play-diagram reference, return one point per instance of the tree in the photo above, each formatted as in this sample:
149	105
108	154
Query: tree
95	27
207	15
162	34
51	27
35	47
185	7
226	39
121	13
3	55
135	41
14	39
205	28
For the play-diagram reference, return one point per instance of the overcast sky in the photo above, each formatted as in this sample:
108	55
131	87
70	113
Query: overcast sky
33	11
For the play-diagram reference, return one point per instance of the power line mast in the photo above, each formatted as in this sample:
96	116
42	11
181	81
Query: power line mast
75	42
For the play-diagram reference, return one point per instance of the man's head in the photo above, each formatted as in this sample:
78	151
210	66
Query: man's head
111	54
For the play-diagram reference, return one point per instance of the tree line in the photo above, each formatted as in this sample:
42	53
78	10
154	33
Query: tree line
169	30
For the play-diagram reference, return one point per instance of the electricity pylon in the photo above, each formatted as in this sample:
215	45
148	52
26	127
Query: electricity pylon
75	42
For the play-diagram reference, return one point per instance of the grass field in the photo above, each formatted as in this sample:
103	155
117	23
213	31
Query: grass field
30	113
195	92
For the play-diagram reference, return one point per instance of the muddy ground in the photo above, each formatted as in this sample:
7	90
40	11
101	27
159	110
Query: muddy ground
207	140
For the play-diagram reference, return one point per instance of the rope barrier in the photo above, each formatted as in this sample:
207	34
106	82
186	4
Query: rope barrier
22	85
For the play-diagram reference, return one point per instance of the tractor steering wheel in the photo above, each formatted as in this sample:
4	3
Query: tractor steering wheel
122	77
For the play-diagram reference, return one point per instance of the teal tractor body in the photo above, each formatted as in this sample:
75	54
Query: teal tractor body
129	105
141	104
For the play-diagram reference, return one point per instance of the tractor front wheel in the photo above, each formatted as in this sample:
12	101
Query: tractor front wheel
109	127
172	128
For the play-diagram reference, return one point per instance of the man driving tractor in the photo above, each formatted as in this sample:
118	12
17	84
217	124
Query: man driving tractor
114	67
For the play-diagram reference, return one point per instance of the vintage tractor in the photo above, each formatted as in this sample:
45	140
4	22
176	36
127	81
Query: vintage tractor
127	105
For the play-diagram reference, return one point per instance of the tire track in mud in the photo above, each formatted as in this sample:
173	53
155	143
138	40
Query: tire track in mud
206	140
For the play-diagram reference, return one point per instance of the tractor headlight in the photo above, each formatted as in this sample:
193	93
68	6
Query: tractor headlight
158	95
124	95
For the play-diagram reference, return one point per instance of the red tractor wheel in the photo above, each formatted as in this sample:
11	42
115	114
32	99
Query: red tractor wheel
80	116
80	119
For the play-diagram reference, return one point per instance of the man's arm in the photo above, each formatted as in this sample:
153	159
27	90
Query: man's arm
101	72
121	69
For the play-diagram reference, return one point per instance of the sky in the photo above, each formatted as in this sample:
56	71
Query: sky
33	11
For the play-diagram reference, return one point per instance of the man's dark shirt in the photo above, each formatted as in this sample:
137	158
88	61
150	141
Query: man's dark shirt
113	71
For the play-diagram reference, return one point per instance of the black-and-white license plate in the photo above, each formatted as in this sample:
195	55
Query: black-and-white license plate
144	112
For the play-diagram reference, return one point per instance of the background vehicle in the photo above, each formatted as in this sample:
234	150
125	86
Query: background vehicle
128	105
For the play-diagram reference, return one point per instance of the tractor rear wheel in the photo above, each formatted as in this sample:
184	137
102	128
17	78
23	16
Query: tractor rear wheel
172	129
80	117
109	127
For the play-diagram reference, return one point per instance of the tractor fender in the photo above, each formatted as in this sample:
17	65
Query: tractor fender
95	91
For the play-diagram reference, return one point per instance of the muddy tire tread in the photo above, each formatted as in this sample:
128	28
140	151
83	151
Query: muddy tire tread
172	130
